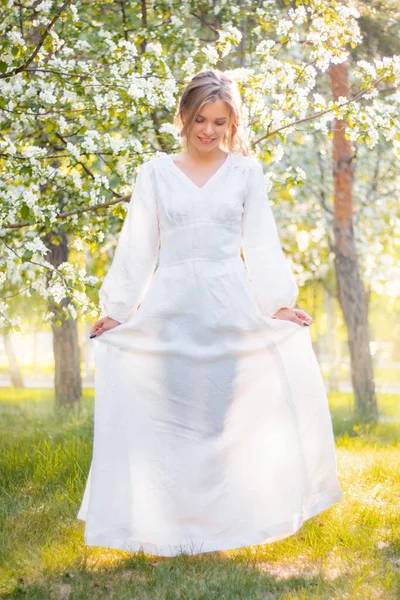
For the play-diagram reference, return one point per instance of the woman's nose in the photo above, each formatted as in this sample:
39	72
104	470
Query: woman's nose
208	130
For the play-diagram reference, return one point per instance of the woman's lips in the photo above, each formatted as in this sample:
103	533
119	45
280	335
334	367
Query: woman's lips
205	140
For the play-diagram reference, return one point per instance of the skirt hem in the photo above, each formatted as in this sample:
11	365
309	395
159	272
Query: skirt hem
273	534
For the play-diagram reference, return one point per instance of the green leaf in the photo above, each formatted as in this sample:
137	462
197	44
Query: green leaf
25	212
27	255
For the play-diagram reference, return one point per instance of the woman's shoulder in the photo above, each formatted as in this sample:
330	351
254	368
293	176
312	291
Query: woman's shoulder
159	159
245	160
148	165
249	162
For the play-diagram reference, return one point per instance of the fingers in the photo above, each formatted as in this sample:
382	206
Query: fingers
97	333
305	319
301	322
97	328
102	325
302	314
98	325
296	316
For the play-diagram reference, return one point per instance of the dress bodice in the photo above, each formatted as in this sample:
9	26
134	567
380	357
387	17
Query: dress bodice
199	222
170	220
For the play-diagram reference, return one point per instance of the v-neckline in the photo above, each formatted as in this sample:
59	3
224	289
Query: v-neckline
191	182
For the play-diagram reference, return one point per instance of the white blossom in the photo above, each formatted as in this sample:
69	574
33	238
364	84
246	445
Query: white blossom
30	197
176	21
56	291
44	6
16	38
170	128
189	67
74	11
73	150
211	54
36	245
135	90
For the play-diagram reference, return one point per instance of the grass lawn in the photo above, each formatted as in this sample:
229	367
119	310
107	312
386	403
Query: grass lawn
351	550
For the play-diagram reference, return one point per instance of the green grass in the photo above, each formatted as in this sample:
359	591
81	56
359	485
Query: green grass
351	550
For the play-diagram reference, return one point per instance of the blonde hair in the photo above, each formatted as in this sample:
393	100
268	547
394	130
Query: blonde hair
208	86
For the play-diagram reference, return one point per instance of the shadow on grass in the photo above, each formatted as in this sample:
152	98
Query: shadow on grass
179	578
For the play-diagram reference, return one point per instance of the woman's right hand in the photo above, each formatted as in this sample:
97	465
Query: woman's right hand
102	325
297	315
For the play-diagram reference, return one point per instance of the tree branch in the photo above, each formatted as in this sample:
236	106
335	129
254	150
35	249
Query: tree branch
315	115
40	44
78	211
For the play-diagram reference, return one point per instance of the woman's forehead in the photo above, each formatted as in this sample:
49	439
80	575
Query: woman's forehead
214	110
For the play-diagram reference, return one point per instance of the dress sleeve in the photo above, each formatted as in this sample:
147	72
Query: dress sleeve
271	277
135	257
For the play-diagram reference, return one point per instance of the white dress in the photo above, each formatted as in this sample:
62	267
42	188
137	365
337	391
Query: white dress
211	427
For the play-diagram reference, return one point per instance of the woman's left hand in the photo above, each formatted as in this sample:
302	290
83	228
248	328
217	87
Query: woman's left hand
294	314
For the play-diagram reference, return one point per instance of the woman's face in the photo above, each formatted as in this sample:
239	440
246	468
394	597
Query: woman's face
210	126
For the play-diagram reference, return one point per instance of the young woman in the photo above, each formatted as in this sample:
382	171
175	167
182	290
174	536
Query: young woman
212	426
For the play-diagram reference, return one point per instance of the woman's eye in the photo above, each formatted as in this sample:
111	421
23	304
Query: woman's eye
217	124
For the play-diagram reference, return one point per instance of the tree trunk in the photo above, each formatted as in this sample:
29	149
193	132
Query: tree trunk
67	375
331	344
15	371
350	286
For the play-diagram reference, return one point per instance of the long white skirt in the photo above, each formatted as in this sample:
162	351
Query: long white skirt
207	435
